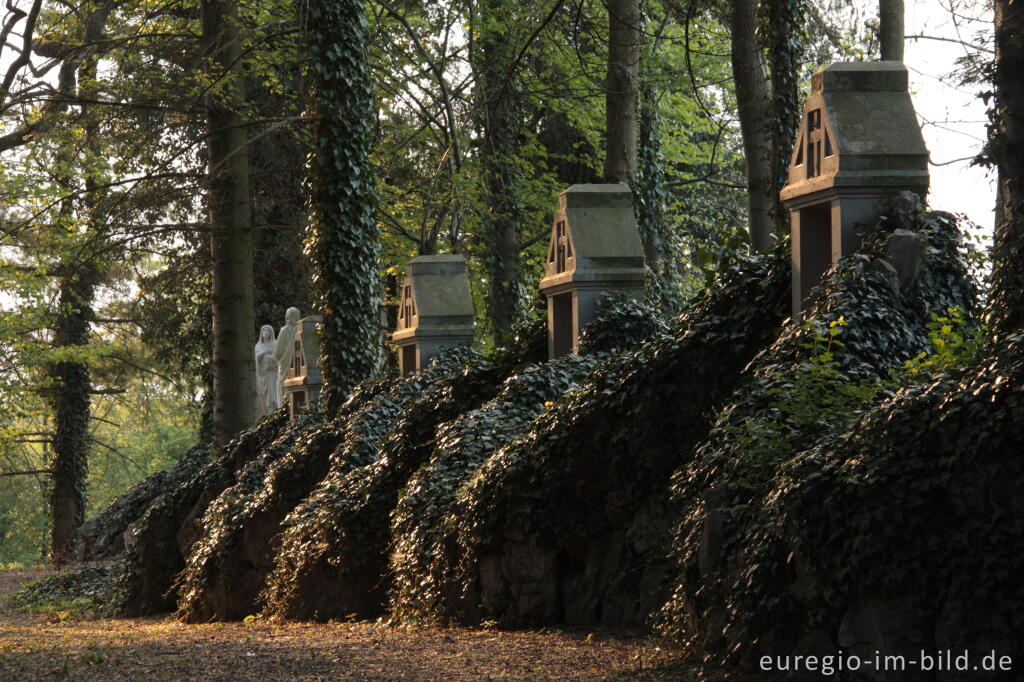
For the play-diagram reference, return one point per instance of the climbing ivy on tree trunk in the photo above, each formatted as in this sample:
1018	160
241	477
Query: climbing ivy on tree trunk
784	40
344	243
70	403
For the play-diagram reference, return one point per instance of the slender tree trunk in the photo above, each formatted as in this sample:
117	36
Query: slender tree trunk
230	217
621	89
890	29
501	138
753	100
784	43
70	403
345	242
649	188
1007	147
76	283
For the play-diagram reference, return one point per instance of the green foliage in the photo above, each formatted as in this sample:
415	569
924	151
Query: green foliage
579	497
955	342
333	552
343	244
74	594
421	559
619	324
806	395
801	406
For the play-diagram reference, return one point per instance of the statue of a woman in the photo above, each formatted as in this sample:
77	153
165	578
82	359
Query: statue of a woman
285	349
267	398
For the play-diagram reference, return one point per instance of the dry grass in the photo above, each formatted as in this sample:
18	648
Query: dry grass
57	646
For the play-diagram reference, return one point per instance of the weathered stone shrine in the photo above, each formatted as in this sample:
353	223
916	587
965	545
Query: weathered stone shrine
595	249
303	380
858	144
436	310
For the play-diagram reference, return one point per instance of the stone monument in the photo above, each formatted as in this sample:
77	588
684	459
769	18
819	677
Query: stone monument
303	380
436	310
858	144
595	249
267	392
284	350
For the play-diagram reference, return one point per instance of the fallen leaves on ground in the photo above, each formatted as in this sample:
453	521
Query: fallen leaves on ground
59	646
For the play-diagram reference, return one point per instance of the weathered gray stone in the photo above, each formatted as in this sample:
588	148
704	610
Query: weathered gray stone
595	249
904	205
303	380
436	310
904	251
858	144
890	273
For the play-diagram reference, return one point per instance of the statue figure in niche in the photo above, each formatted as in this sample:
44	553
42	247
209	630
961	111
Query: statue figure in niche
267	392
284	351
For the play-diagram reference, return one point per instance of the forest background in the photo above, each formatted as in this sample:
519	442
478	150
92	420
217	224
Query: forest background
484	112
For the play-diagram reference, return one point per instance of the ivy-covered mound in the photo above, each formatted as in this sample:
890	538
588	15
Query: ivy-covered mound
102	536
421	553
333	557
796	512
157	542
568	522
228	565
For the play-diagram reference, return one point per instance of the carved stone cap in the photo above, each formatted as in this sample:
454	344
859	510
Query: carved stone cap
594	238
858	133
861	77
435	299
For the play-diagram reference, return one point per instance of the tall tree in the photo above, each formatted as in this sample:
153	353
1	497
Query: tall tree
230	218
890	29
345	243
621	88
1006	148
77	275
785	39
501	126
753	100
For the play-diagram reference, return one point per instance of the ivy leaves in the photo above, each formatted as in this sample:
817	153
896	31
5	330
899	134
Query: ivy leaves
344	243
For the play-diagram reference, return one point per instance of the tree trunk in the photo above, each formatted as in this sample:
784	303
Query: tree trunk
76	282
345	241
70	404
785	32
1006	145
501	137
753	101
621	90
890	29
649	189
230	217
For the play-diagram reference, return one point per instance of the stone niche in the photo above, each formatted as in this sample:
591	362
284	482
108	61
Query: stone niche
436	310
595	249
858	144
303	381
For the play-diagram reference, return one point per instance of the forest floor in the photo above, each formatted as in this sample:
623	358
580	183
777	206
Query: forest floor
62	644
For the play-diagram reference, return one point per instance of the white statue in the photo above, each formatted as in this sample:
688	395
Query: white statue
284	352
267	394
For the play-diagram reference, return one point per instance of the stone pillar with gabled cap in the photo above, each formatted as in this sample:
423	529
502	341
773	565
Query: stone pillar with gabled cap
436	310
595	249
858	144
303	381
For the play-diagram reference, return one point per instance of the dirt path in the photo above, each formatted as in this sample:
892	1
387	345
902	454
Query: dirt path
47	646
